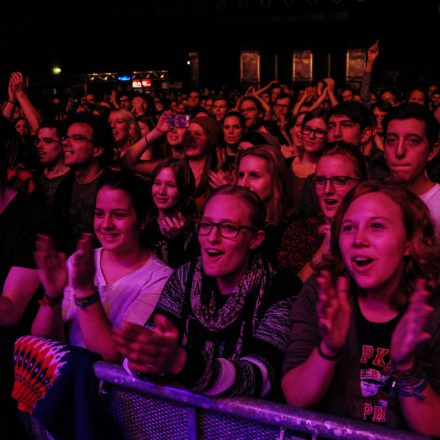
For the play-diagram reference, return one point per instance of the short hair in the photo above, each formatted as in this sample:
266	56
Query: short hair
237	115
416	111
383	106
255	101
315	114
184	181
102	134
256	207
352	152
424	251
357	112
59	126
280	208
284	96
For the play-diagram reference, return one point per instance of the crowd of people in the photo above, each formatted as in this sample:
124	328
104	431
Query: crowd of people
280	243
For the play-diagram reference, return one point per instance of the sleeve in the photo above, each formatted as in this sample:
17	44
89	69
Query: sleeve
255	371
365	88
304	335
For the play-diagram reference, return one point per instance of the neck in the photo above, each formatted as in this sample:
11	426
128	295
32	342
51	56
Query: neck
87	174
56	169
375	308
197	165
126	257
421	184
227	285
311	157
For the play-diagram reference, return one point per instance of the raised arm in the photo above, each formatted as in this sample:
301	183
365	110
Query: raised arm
30	112
333	318
372	54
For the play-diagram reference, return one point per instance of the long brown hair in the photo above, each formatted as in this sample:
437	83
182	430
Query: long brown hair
423	260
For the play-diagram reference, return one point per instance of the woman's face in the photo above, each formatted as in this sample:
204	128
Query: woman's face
373	243
116	223
227	258
164	190
253	174
22	127
143	127
314	135
296	132
196	142
331	193
176	137
120	127
232	130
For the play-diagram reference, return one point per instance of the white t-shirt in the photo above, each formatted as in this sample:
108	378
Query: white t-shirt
432	200
130	298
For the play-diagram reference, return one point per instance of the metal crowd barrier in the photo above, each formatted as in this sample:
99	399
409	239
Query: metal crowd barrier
143	410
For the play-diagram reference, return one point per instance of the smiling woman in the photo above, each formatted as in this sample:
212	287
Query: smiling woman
218	327
369	348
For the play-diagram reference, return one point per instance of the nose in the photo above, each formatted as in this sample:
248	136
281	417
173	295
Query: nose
401	149
107	222
337	132
328	188
214	236
244	181
361	237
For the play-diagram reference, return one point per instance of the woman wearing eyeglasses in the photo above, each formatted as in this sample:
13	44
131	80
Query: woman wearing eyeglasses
314	138
305	241
218	328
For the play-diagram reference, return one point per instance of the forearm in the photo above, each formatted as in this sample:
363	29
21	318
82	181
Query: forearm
333	100
135	152
316	372
49	322
97	332
365	87
30	112
9	315
9	110
299	104
422	416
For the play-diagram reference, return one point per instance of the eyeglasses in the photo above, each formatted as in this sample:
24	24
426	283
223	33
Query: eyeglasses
318	132
282	106
75	138
46	141
336	181
225	229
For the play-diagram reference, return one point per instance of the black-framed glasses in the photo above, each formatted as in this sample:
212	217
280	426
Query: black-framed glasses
75	138
319	132
225	229
46	141
336	181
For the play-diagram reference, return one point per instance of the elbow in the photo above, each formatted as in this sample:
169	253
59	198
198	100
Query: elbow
294	395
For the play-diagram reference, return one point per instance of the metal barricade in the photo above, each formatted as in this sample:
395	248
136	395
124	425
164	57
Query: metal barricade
143	410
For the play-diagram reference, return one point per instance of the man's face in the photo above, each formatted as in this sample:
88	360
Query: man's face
347	95
379	115
342	128
407	149
281	107
250	112
193	99
124	102
220	108
78	145
436	99
49	145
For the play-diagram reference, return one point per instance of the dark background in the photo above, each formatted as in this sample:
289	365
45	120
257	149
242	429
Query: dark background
86	36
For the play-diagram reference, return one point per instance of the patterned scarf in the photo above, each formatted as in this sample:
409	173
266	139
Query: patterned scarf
203	302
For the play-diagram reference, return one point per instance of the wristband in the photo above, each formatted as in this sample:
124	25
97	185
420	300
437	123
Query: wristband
82	303
50	301
326	356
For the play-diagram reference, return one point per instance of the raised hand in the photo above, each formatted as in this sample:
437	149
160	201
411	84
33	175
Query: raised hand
148	351
171	227
51	266
83	266
373	52
333	311
410	331
18	84
162	125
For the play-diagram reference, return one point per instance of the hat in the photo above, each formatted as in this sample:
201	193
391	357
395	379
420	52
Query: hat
211	127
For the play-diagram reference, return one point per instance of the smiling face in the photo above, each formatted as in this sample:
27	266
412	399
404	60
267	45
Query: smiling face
164	190
121	129
253	174
296	131
373	243
227	258
232	130
78	146
176	137
116	223
329	195
314	135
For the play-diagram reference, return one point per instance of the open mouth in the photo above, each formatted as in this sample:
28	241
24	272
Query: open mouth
362	262
330	202
213	253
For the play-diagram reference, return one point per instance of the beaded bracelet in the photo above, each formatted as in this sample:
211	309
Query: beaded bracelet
87	301
411	385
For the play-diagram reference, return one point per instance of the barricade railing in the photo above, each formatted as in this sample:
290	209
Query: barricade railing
142	409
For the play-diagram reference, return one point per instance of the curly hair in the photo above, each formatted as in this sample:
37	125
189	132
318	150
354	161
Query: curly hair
423	260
